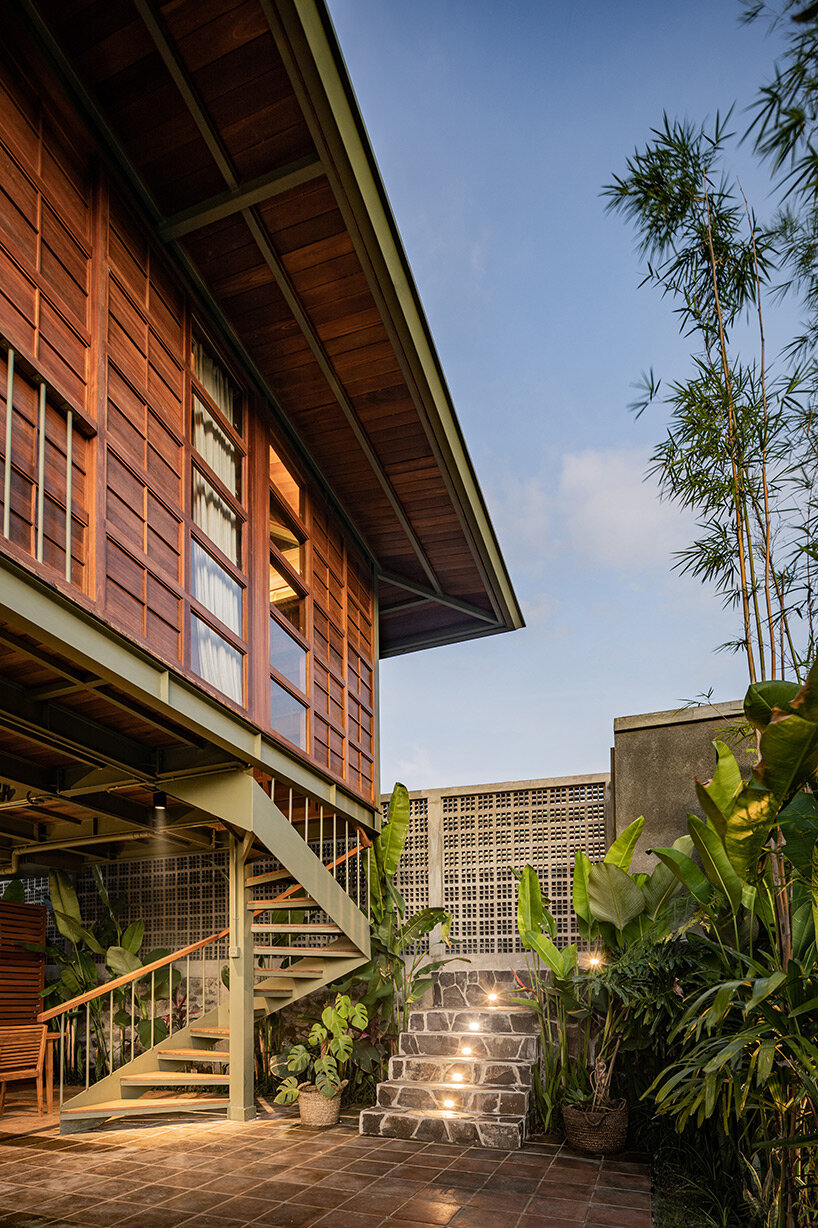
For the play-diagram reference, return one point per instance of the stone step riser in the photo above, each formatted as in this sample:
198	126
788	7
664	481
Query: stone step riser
519	1022
466	988
444	1070
421	1098
464	1131
502	1048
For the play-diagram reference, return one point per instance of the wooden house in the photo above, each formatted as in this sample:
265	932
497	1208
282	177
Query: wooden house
231	480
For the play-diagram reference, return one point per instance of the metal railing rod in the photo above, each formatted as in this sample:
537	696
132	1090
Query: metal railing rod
87	1046
69	489
111	1030
62	1062
7	457
153	1007
187	990
133	1017
41	476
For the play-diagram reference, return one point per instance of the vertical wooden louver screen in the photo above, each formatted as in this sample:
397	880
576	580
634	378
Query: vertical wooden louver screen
22	972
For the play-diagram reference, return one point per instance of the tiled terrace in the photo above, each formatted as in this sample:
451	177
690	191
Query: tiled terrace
208	1173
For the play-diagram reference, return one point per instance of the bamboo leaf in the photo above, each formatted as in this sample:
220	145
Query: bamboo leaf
815	889
620	853
762	988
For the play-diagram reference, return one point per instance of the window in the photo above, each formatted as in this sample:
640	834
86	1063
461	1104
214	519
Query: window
217	575
288	604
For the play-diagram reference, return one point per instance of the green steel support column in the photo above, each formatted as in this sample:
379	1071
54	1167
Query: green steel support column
242	1104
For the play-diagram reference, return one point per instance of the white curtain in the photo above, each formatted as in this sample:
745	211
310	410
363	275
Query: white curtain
215	447
216	518
214	588
215	380
213	659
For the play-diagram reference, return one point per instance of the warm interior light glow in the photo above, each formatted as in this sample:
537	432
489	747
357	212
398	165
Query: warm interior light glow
466	1050
457	1077
474	1026
492	997
448	1104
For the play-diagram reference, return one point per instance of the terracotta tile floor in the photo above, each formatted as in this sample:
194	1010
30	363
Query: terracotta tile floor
208	1173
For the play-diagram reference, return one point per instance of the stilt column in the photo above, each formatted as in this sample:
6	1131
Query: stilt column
242	1104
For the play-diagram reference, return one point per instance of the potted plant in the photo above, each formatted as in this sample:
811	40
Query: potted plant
324	1057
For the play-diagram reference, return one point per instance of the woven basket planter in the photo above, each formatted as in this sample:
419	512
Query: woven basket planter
317	1110
599	1132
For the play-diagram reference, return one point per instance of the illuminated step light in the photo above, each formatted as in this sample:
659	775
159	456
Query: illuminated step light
466	1050
492	997
457	1077
474	1026
448	1104
594	961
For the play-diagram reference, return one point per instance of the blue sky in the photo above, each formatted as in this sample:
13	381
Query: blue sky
495	126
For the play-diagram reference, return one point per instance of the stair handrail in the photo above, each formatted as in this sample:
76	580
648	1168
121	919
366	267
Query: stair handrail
137	974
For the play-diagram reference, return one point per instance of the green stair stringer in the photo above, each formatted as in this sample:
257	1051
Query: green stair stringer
110	1088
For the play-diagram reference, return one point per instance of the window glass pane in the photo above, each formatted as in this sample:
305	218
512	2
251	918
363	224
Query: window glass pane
216	518
212	658
286	600
217	383
216	590
284	540
284	482
215	446
287	657
287	716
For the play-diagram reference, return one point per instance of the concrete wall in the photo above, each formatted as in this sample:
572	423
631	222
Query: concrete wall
656	760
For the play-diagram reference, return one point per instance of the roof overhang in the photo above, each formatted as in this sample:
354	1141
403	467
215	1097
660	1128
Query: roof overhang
259	179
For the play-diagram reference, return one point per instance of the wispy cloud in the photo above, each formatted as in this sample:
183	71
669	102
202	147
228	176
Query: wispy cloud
612	516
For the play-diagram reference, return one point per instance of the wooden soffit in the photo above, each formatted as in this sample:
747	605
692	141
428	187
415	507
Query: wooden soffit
235	125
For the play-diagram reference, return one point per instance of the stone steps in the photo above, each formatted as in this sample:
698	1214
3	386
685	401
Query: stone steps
464	1069
498	1045
464	1098
464	1129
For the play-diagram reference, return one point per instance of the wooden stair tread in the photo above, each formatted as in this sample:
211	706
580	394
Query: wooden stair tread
272	876
283	905
330	952
195	1055
210	1033
146	1104
287	973
172	1078
296	929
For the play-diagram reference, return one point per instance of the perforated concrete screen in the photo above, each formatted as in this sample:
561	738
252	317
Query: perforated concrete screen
463	843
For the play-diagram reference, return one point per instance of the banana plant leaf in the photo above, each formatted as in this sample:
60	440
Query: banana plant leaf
716	863
392	838
620	854
132	938
815	889
663	884
582	868
159	1033
748	828
805	702
122	961
687	872
422	923
763	697
789	755
530	910
614	896
15	892
726	781
799	826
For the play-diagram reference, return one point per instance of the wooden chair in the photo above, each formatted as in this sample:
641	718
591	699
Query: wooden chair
22	1056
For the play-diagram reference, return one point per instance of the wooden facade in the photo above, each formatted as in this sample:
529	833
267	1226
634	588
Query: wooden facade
225	439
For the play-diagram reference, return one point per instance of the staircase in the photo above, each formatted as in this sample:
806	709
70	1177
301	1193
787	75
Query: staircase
464	1070
306	931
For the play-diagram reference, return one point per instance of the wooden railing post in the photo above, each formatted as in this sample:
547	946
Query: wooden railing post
242	1100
